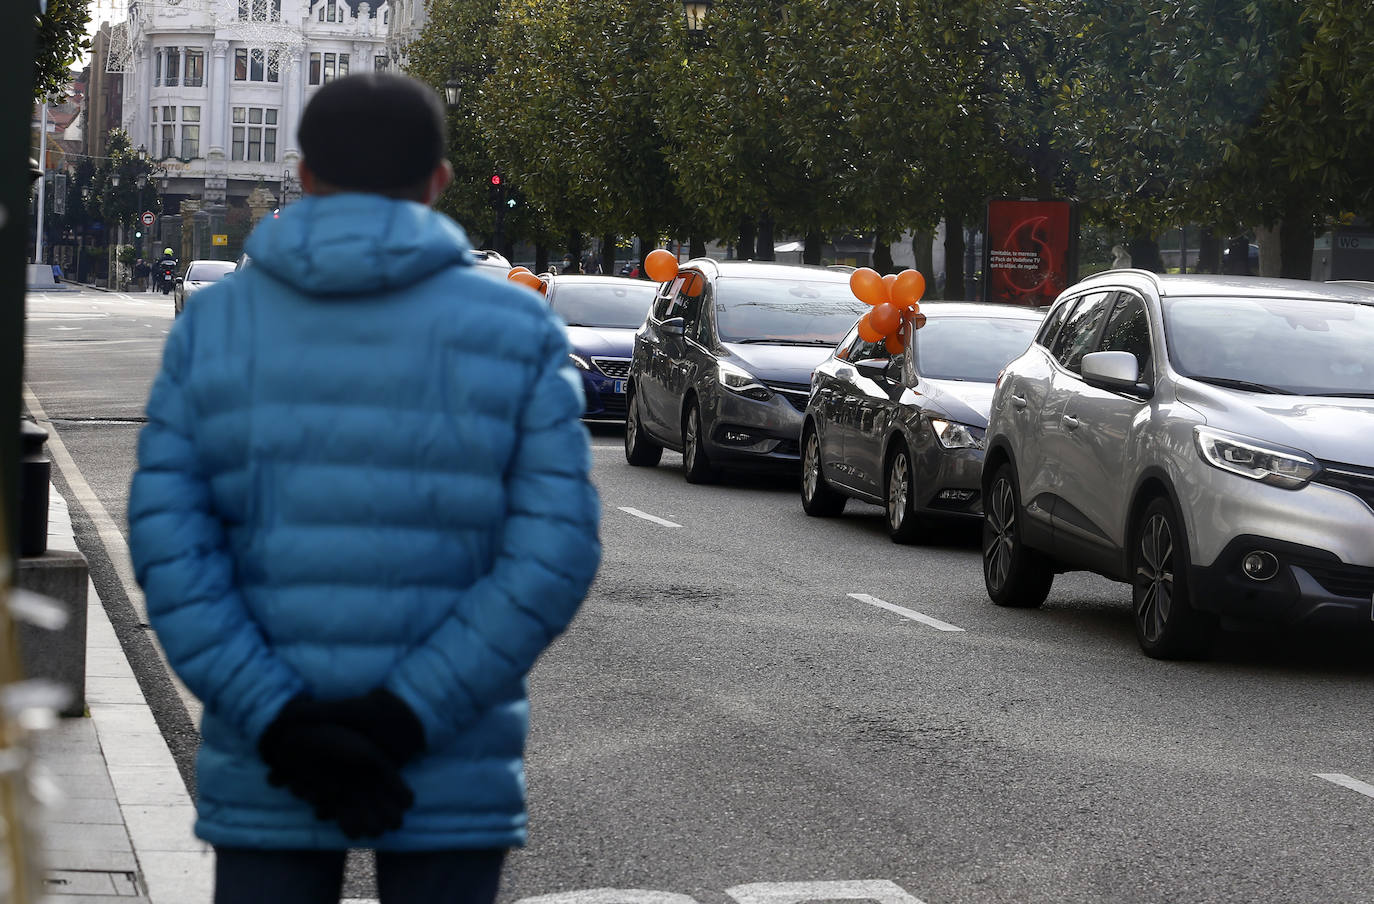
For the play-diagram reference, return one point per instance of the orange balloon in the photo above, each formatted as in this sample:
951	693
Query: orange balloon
917	320
868	287
661	265
528	280
908	288
885	319
888	280
895	345
515	270
867	332
693	284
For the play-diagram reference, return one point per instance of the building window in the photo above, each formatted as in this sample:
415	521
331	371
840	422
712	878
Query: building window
173	66
330	64
314	68
157	68
379	63
195	68
190	132
253	137
343	65
257	65
152	138
259	10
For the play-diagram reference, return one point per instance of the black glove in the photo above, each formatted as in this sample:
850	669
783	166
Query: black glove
342	774
380	716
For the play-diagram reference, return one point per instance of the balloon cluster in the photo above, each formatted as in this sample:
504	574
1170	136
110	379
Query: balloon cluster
895	299
525	277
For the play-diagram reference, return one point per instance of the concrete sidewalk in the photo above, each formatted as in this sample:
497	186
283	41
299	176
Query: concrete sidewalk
123	829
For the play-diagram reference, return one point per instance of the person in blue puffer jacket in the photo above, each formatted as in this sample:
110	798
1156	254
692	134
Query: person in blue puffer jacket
362	510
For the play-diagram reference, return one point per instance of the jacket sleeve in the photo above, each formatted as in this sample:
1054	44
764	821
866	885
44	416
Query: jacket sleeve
547	556
183	563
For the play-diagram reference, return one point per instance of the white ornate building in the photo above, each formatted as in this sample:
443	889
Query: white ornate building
214	89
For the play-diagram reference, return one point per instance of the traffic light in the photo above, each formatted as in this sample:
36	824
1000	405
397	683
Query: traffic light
496	189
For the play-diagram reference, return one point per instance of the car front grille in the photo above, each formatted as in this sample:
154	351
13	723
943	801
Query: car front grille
1350	581
1351	478
615	368
796	393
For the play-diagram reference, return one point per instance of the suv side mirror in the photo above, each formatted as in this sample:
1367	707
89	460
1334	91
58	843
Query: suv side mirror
674	326
874	367
1115	372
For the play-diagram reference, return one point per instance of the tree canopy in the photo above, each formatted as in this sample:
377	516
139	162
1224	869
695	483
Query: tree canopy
61	39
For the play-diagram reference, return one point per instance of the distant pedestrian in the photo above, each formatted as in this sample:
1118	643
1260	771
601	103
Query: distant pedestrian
348	556
142	271
1121	258
593	263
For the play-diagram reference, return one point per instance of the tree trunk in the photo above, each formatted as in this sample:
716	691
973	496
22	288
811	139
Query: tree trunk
541	258
697	244
882	254
1208	252
764	244
922	248
608	254
573	258
1296	239
954	256
744	250
811	251
1270	250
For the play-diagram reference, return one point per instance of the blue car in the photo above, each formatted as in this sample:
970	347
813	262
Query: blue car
602	314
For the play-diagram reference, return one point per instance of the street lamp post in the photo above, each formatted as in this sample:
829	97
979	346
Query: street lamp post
453	92
695	12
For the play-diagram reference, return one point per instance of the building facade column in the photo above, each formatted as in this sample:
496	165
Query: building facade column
292	96
217	117
136	121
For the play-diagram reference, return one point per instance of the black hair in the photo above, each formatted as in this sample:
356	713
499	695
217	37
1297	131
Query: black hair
375	132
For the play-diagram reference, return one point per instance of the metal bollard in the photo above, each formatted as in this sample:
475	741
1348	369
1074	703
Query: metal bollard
35	473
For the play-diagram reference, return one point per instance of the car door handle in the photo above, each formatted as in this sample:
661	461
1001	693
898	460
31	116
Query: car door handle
1069	421
1018	402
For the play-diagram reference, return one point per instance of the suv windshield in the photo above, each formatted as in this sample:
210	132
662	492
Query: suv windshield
970	348
785	311
1284	345
209	272
614	307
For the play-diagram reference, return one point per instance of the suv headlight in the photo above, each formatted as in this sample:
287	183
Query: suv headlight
737	379
954	435
579	362
1258	460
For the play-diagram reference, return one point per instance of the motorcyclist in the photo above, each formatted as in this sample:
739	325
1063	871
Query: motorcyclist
167	270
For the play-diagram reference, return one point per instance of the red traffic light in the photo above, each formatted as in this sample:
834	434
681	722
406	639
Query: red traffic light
495	178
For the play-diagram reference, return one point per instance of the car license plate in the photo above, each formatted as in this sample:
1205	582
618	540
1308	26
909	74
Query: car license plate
618	386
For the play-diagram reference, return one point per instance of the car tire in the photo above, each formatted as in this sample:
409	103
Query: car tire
640	451
819	499
1166	624
1015	575
899	489
696	465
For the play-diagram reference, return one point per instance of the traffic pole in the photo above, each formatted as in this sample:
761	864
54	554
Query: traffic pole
16	117
42	183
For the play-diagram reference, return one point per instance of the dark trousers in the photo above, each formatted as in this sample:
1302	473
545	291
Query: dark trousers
245	876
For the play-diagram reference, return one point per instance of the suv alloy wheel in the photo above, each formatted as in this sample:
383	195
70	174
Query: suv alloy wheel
640	451
818	499
1014	574
1166	624
696	467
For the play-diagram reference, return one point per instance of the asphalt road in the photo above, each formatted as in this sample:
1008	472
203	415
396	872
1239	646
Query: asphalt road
733	706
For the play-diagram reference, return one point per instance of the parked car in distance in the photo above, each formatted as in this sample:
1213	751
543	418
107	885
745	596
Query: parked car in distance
491	263
198	275
1205	439
721	368
906	431
602	314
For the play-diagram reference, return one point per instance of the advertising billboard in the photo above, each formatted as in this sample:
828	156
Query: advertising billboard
1031	251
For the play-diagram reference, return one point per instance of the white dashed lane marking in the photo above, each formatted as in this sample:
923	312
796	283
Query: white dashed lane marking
904	612
647	517
1345	781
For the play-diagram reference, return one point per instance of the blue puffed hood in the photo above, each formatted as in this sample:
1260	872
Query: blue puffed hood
356	243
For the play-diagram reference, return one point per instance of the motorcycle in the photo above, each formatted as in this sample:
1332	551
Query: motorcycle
166	279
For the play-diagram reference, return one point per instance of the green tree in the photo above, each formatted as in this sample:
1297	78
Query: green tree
61	39
115	194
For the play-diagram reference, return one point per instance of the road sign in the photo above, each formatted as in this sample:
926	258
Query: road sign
147	219
219	239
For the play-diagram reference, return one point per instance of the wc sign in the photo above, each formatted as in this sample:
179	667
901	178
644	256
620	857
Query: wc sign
880	890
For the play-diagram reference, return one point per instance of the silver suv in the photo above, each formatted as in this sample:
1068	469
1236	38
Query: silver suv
1208	440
